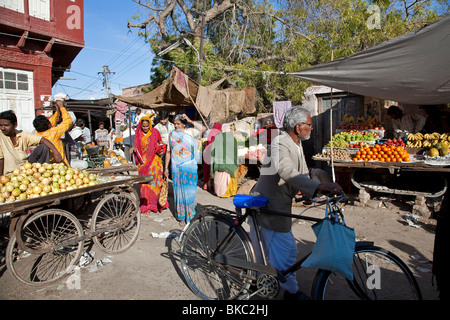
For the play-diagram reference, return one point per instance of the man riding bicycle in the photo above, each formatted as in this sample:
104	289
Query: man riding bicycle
283	175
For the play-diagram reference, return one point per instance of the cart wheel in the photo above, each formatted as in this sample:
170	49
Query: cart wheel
41	232
116	222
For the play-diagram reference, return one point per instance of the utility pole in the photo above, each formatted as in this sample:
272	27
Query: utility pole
106	74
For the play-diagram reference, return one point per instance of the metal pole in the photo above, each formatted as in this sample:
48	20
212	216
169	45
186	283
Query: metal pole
333	176
90	124
129	125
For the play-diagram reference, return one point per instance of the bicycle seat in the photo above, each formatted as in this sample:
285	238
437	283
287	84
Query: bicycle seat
246	201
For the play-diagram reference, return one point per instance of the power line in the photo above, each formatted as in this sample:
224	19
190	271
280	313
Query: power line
121	73
106	74
89	85
127	57
121	53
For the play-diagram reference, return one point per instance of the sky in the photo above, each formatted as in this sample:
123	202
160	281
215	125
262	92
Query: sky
108	42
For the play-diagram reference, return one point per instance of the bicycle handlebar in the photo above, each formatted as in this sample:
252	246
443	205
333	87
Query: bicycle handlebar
334	199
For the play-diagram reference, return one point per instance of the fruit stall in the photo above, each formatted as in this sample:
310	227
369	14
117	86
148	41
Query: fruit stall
409	166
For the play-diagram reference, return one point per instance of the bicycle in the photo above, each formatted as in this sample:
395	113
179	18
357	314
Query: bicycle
218	260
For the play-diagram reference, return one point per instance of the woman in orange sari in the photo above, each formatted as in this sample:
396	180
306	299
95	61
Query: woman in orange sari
146	140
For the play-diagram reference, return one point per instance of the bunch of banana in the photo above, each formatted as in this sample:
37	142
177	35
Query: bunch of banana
415	136
428	140
414	144
442	143
444	136
432	136
349	118
360	119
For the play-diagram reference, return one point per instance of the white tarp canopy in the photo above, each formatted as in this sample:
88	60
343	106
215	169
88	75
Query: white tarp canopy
412	69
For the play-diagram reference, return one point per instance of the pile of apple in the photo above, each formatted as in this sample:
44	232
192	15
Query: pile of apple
394	142
38	180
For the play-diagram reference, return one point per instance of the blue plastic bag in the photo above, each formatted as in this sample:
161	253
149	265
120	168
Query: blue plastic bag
334	248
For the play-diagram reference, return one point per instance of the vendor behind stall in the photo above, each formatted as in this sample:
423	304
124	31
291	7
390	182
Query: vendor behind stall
403	123
51	130
14	145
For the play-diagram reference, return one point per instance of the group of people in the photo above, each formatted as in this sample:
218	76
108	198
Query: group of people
46	142
163	145
172	148
282	177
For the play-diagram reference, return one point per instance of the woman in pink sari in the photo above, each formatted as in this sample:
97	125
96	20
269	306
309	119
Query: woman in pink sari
146	141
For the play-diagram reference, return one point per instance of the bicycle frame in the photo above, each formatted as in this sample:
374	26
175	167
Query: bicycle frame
227	249
331	208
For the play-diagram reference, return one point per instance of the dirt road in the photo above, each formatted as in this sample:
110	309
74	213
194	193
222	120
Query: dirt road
149	270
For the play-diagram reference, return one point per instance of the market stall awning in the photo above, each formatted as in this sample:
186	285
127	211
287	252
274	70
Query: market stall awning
412	69
180	91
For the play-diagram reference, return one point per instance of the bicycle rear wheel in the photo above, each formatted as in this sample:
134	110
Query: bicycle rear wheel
206	278
378	275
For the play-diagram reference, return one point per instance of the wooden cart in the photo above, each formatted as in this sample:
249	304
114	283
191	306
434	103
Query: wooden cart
47	240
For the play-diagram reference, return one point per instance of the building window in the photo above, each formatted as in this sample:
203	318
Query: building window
13	81
16	5
40	9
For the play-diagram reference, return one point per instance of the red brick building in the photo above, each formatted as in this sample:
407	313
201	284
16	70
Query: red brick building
39	39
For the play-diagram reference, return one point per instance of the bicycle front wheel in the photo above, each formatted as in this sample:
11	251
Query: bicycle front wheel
378	275
206	278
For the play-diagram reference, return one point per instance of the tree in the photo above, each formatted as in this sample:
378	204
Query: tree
255	42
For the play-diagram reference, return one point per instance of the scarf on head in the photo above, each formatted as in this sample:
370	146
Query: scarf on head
145	137
145	144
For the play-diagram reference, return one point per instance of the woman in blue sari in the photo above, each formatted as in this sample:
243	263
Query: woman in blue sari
183	156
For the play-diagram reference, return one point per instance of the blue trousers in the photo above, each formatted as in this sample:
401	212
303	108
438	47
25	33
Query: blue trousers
280	249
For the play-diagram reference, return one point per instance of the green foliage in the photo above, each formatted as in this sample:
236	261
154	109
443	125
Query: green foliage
257	48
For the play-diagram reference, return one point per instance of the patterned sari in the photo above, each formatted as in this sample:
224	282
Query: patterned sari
146	144
184	174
